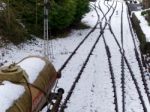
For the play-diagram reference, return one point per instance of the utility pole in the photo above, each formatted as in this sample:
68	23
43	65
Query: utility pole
8	6
36	18
46	5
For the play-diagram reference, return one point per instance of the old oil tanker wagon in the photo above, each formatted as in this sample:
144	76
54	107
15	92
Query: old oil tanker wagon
26	86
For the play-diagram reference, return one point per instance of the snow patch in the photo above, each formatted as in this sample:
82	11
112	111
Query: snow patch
32	66
2	6
144	25
9	95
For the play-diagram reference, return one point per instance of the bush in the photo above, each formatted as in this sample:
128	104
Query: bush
81	8
147	47
146	14
61	14
143	13
30	13
10	29
140	34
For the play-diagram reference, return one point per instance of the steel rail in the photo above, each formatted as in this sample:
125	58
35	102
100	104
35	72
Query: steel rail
78	46
130	70
138	59
64	104
109	58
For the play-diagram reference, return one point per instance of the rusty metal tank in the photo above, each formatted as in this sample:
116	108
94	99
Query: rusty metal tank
37	75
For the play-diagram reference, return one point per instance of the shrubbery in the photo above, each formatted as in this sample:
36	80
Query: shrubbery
62	14
81	8
29	13
146	14
10	29
140	34
67	12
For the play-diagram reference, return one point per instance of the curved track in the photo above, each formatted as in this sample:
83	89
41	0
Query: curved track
112	79
64	105
109	56
78	46
137	54
122	51
124	59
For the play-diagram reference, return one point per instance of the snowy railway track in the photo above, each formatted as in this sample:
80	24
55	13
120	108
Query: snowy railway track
78	46
64	105
123	58
84	39
137	55
124	63
129	67
109	56
111	73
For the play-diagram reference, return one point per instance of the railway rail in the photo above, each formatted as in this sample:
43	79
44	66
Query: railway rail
85	38
139	59
109	57
103	22
78	46
130	70
123	62
64	105
123	58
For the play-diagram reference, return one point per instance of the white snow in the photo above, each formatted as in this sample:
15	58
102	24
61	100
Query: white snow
144	25
93	92
2	6
32	66
9	92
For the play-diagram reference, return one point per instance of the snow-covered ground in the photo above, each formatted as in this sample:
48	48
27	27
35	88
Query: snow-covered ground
94	92
144	25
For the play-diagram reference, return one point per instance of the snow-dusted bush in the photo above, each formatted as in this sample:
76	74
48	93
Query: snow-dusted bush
10	29
140	34
146	14
62	13
81	8
30	13
67	12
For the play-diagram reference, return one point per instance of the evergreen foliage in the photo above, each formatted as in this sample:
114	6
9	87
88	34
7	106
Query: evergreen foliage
10	28
81	8
30	13
146	14
26	17
140	34
61	13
